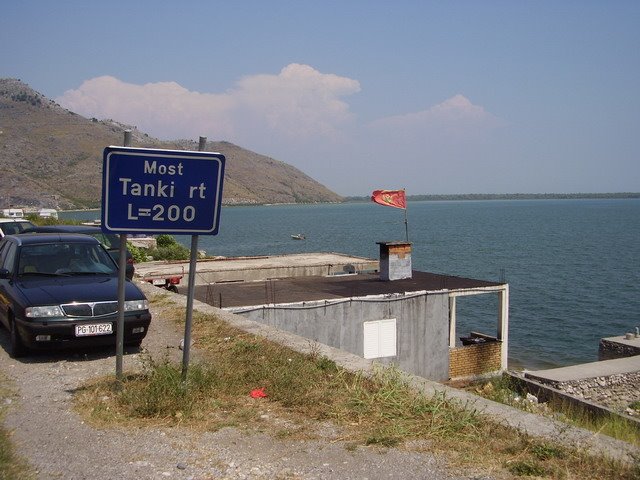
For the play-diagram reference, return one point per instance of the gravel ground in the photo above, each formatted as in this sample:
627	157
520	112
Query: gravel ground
56	442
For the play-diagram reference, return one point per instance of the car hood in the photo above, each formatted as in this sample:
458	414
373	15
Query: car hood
61	290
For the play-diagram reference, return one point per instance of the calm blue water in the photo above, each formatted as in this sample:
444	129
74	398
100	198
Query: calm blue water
572	265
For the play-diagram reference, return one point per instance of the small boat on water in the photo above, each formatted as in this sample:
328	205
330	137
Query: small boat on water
298	236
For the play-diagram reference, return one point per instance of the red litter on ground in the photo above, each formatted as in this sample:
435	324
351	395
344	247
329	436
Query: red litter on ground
258	393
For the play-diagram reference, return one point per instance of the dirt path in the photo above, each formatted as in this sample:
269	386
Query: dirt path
59	445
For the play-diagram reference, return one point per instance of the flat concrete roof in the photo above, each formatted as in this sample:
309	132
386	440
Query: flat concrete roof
306	289
602	368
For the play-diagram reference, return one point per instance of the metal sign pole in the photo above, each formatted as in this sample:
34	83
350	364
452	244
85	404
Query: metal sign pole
186	348
122	266
193	262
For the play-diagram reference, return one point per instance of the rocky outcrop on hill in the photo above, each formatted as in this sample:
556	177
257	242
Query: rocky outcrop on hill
52	157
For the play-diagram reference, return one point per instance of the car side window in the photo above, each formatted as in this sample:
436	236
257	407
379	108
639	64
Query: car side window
109	241
11	228
21	227
8	256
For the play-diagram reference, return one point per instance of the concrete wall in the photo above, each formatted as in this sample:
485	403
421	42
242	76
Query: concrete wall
617	347
422	323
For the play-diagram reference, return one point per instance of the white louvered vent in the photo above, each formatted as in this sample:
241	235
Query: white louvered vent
380	338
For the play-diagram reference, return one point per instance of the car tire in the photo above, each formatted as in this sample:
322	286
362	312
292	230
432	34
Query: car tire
172	288
17	347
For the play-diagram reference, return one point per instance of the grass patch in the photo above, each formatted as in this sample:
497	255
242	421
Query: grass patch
501	389
12	466
524	468
307	390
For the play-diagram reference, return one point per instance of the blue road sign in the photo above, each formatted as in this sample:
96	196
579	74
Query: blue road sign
161	191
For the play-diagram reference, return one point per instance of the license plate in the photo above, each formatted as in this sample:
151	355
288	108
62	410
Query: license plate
94	329
158	281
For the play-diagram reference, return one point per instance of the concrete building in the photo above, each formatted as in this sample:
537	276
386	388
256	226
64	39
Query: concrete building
379	310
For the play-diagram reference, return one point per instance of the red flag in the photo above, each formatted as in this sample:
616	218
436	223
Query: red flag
390	198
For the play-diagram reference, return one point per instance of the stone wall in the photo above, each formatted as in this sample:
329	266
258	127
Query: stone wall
608	350
614	391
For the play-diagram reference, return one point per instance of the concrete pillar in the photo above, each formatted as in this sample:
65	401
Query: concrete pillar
503	326
452	322
395	260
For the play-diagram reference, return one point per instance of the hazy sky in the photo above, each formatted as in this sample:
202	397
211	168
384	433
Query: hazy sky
435	97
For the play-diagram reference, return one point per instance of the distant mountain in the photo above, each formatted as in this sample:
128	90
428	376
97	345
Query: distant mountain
51	157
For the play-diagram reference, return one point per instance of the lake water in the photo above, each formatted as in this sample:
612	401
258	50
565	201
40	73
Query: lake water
573	266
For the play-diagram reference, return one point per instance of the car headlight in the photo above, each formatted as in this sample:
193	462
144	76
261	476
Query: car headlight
44	311
132	305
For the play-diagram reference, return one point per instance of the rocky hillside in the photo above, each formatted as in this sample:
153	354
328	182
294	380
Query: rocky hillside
51	157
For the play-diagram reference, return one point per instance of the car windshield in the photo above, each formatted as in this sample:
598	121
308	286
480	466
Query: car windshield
64	259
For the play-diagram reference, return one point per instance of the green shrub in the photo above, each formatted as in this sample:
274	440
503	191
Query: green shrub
165	241
138	254
523	468
545	451
45	221
167	248
171	252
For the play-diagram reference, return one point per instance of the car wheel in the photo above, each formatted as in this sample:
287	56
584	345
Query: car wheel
172	288
17	347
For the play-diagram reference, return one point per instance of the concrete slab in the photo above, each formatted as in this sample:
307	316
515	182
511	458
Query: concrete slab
247	269
587	370
143	242
623	340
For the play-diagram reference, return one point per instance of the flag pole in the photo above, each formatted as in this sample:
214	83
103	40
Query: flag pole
406	223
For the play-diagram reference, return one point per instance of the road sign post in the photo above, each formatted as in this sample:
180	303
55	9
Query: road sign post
154	191
121	292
